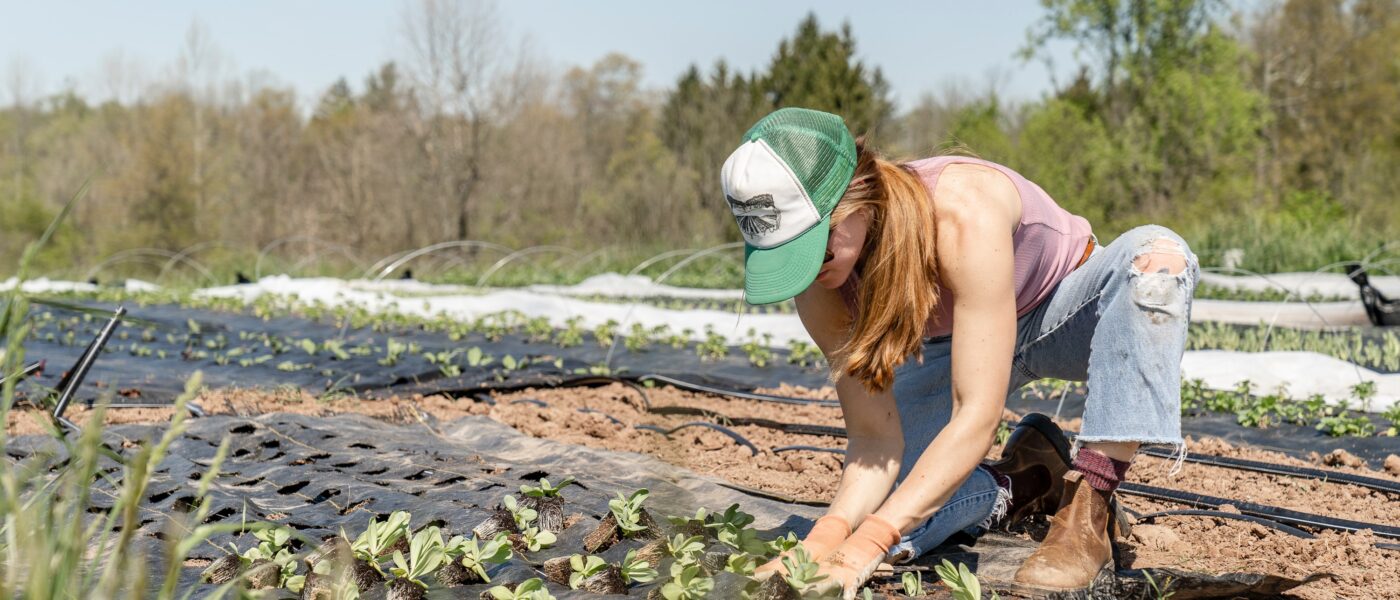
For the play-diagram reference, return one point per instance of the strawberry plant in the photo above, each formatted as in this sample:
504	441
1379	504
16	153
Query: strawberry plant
685	549
533	539
522	515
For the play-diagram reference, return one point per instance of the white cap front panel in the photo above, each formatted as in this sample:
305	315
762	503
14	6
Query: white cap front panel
765	196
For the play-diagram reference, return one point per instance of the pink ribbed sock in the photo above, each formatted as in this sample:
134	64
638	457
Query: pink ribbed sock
1101	472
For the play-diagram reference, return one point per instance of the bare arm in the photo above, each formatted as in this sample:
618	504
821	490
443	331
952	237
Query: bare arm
977	216
874	439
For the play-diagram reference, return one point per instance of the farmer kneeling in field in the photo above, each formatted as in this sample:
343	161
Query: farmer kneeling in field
934	287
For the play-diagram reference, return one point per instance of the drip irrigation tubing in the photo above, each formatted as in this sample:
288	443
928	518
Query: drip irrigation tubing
733	435
783	449
698	387
1374	483
1274	513
1220	514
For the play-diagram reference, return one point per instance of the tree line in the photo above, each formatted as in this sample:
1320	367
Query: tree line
1274	132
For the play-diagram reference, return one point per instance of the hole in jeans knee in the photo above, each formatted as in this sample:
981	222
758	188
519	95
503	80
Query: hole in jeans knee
1162	256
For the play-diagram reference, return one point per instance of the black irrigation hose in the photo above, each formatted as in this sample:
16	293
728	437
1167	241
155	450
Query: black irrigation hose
594	411
1374	483
783	449
1281	515
539	403
697	387
734	435
1196	512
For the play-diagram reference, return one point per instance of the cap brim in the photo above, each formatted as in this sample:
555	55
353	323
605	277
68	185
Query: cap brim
779	273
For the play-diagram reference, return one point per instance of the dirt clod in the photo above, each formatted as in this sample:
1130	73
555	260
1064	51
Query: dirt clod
1392	464
1342	458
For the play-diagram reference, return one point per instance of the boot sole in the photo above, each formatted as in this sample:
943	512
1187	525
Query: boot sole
1103	583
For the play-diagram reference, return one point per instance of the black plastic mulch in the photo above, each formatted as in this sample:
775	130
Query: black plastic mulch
318	474
142	379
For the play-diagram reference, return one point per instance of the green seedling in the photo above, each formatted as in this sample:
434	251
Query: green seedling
687	583
714	347
912	584
308	346
638	338
378	537
584	567
742	563
732	529
536	539
475	556
572	333
544	489
336	348
757	351
393	349
635	570
685	549
522	515
425	555
802	571
961	583
538	329
628	512
530	589
605	333
477	358
783	543
695	523
804	354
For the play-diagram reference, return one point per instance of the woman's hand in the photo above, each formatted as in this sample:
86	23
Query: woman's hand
827	533
856	559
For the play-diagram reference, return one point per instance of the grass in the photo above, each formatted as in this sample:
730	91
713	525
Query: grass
58	543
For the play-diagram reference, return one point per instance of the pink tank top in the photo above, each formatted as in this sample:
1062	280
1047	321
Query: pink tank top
1049	243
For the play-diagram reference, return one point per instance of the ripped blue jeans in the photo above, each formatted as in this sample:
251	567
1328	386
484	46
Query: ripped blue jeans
1108	323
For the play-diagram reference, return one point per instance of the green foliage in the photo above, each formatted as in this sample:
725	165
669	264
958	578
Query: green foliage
584	567
687	583
544	489
732	529
378	537
685	549
912	584
536	539
530	589
817	69
802	571
425	555
522	515
962	584
475	556
627	511
635	570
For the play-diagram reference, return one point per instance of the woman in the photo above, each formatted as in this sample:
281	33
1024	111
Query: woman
976	275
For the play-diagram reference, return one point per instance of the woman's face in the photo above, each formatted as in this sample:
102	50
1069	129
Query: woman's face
843	250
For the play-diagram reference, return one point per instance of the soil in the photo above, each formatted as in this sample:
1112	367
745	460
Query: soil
581	416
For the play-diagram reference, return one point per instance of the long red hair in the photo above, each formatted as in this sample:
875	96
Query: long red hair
899	271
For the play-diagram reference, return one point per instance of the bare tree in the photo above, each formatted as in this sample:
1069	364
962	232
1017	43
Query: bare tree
454	60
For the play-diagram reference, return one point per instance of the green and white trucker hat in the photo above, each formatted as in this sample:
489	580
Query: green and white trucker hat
782	184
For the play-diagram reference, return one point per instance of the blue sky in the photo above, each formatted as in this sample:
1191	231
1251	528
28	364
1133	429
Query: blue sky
308	44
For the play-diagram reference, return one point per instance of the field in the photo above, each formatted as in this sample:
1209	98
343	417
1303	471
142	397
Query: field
335	429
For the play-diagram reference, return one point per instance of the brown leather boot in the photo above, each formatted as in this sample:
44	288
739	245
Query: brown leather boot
1077	548
1036	458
